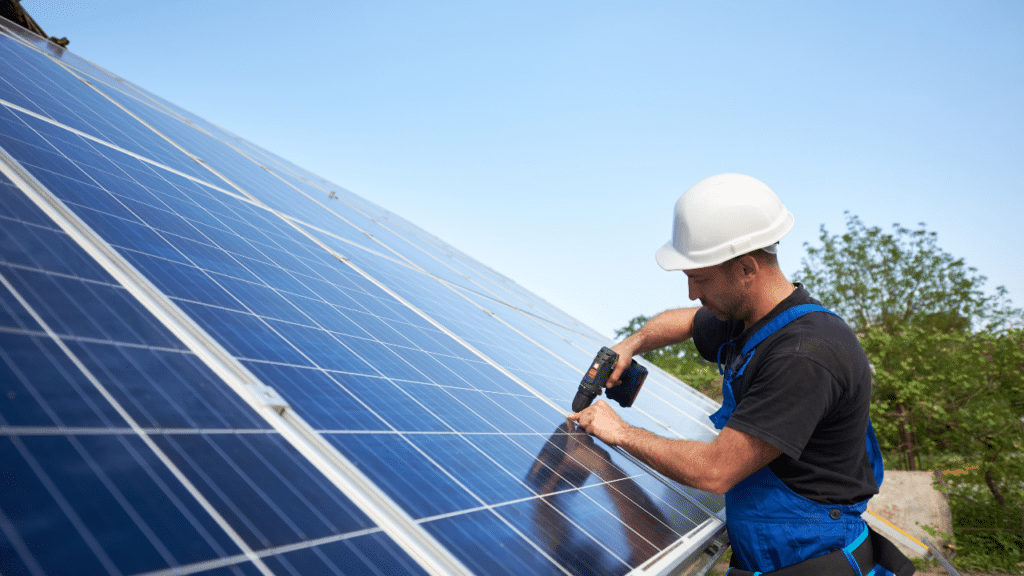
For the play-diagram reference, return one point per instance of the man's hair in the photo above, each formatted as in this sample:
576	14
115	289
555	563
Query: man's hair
763	257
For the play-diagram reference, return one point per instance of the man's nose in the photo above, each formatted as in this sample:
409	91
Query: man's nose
692	287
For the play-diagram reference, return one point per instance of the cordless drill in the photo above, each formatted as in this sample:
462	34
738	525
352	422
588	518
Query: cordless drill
597	376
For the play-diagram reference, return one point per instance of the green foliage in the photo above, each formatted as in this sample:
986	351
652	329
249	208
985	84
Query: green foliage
922	565
989	537
935	533
872	278
949	395
682	361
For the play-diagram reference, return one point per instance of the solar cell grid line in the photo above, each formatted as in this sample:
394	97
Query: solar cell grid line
432	264
704	430
39	88
94	172
457	310
14	212
363	231
709	510
471	325
21	430
164	140
659	400
568	387
279	176
65	57
381	217
112	81
444	272
695	424
95	139
668	389
226	163
110	84
503	504
305	441
90	540
209	129
56	52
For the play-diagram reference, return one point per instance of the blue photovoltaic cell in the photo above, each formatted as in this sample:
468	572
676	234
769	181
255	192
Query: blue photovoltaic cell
101	311
564	539
474	467
487	544
42	387
393	346
369	555
37	83
275	497
162	389
108	501
328	400
104	501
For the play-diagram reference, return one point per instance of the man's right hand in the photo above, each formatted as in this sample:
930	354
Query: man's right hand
625	353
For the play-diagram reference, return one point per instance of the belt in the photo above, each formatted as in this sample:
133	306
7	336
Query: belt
875	549
834	563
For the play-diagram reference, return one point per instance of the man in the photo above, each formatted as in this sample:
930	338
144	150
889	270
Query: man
796	456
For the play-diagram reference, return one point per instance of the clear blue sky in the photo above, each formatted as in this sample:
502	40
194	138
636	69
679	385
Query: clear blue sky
550	139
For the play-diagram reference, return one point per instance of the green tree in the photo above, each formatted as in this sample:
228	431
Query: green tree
873	278
682	361
951	399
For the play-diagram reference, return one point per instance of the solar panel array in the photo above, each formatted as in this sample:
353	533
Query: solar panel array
215	362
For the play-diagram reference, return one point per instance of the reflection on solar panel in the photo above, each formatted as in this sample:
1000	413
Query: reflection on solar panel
214	362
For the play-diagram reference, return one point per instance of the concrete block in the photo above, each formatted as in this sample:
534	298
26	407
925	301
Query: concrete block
908	500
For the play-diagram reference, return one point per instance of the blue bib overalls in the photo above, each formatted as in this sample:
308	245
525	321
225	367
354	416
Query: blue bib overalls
770	526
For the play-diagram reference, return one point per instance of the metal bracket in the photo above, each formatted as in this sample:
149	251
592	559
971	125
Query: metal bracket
940	557
269	398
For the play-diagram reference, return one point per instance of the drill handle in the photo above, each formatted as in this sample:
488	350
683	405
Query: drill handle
595	378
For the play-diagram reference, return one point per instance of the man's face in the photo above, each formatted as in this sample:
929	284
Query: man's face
717	289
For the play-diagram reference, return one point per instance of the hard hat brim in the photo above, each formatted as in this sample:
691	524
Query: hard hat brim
671	259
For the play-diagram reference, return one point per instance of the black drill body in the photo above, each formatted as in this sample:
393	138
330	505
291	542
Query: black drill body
597	376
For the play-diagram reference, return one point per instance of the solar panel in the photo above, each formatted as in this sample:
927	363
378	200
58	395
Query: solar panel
215	362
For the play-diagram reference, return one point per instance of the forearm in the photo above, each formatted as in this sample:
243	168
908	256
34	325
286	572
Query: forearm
685	461
715	467
669	327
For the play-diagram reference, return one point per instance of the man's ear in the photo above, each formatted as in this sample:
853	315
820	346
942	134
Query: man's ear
747	266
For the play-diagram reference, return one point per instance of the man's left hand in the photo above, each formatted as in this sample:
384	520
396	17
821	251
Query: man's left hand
601	421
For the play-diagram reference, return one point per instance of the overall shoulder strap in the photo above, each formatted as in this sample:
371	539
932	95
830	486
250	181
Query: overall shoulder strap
722	415
781	320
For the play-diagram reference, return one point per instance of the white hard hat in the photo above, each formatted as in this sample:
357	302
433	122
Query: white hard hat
722	217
